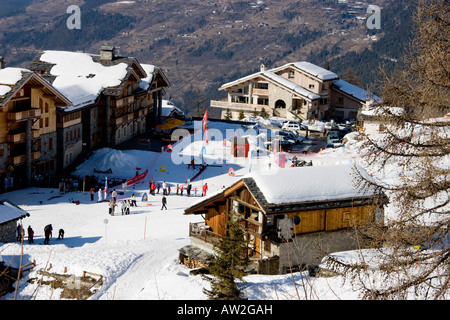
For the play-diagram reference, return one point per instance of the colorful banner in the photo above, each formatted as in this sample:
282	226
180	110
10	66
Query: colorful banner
137	178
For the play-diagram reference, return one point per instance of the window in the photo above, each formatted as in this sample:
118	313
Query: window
340	100
2	152
311	86
46	107
263	101
263	86
324	101
291	74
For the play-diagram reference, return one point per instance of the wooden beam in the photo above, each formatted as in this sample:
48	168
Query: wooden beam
233	188
247	204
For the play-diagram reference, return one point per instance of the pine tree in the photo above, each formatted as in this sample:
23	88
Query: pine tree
228	115
228	264
263	113
351	77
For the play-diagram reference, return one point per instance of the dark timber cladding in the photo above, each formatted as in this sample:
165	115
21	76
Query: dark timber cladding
296	206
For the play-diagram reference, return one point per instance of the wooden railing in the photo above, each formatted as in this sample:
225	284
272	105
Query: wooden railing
238	106
122	102
24	115
16	137
203	232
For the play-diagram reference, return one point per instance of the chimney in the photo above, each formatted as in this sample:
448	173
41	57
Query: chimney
2	62
263	67
107	53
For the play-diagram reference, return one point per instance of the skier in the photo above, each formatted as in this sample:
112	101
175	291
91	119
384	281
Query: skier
48	233
158	187
168	190
178	188
30	235
164	202
205	188
92	193
181	190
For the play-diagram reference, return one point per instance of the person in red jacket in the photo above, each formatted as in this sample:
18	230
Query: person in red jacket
205	188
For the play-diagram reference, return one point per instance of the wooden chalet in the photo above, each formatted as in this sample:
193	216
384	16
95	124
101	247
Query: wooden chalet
28	129
292	218
114	98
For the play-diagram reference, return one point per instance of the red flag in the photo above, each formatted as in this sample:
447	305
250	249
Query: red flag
205	125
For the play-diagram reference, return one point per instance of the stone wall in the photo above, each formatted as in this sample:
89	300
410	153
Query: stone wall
8	232
307	250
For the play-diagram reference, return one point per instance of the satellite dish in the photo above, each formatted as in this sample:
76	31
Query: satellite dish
297	220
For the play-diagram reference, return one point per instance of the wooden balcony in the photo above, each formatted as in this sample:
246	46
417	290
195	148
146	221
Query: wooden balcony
22	158
122	102
22	136
36	155
16	137
119	120
201	231
23	115
236	106
17	160
261	92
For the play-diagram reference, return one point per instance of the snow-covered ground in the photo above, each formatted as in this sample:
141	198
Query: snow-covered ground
137	254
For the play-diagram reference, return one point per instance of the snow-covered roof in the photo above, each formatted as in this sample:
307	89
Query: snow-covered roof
270	75
79	77
146	82
312	69
354	91
10	212
297	185
9	77
314	183
167	108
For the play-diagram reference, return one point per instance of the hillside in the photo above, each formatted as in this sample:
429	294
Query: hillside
202	44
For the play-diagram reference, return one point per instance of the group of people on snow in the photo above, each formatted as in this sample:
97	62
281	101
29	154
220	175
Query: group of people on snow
48	229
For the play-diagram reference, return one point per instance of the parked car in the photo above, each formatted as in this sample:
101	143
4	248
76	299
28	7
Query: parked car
291	125
333	140
291	136
330	126
284	142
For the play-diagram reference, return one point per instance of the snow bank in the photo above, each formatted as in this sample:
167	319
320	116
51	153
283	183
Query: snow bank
122	163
